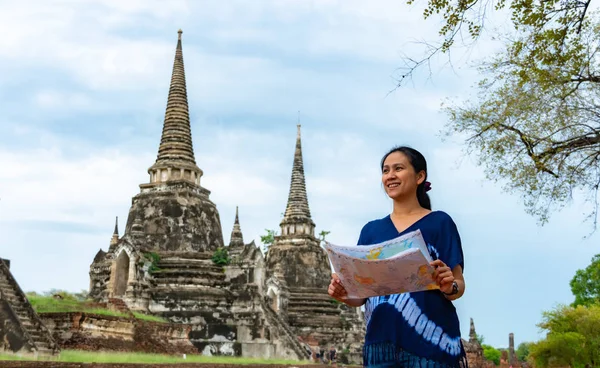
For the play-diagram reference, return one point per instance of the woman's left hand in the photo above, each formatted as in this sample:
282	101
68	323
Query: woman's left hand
443	276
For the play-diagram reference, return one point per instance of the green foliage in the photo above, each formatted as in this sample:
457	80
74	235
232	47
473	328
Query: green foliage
65	295
57	301
523	351
323	234
154	259
454	15
536	125
221	257
66	303
268	239
585	285
148	317
572	339
549	24
492	354
479	338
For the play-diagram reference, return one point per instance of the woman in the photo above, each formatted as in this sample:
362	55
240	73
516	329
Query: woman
418	329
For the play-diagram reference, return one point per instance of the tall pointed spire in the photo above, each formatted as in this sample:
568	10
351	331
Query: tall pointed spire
236	234
176	140
472	333
297	219
175	159
116	232
115	237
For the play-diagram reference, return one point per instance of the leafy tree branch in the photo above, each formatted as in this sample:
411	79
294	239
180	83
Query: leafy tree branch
535	125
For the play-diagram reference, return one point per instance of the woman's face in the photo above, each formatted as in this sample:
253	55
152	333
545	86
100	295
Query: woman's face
399	177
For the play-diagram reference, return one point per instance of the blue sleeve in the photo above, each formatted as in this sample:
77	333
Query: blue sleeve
363	238
449	245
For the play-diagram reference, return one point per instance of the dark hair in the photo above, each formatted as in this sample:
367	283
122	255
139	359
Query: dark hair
418	162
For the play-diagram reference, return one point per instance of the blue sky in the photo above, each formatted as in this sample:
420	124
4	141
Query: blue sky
83	93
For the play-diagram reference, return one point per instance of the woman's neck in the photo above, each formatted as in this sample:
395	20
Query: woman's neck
406	207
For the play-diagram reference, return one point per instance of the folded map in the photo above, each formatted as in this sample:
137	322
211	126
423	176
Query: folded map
396	266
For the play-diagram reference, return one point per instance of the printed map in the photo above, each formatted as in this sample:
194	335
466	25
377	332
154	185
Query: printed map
396	266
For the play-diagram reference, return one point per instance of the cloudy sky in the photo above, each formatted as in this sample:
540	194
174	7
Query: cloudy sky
83	90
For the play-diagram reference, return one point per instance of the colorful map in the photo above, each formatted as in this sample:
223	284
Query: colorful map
396	266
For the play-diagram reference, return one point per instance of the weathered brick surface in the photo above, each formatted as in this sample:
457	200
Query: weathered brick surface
92	332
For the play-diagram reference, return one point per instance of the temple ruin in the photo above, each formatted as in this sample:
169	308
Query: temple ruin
298	275
21	329
473	349
255	306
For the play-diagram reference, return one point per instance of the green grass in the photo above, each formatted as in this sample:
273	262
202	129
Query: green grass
48	304
148	317
78	356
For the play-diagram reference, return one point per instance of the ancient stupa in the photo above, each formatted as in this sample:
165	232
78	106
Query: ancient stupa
162	263
298	274
473	349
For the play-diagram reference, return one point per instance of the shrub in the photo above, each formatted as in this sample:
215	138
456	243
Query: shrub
221	257
154	259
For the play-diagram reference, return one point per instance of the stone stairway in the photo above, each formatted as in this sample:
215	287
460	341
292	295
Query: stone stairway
188	269
189	284
189	288
314	312
324	309
289	335
30	321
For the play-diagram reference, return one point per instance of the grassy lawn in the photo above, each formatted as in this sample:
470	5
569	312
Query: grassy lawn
147	317
48	304
77	356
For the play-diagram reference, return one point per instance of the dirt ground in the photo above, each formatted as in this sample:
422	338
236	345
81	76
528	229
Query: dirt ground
21	364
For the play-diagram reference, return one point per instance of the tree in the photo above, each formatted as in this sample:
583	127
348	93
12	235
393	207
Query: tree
492	354
268	239
585	285
572	339
536	123
323	234
523	351
479	338
550	23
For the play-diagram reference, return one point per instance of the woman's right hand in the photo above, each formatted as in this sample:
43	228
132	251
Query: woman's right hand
336	289
338	292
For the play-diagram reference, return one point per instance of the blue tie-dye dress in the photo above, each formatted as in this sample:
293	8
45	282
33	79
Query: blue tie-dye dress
415	329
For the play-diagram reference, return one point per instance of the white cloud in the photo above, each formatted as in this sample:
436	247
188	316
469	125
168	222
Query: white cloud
91	39
71	37
44	184
55	99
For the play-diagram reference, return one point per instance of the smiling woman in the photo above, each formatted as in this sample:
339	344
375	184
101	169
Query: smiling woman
418	329
397	161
